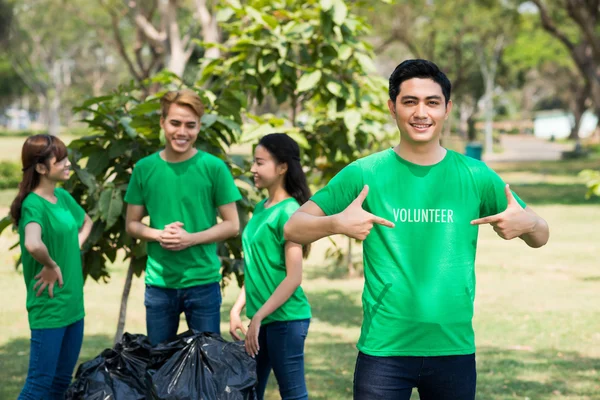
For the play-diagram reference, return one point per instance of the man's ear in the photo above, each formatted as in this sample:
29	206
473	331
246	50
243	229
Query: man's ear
391	107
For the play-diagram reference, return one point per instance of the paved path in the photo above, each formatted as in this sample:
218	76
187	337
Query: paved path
528	148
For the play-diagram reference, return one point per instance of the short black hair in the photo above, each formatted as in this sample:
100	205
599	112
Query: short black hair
418	68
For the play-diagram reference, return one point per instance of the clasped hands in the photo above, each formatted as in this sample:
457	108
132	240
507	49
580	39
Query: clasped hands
173	237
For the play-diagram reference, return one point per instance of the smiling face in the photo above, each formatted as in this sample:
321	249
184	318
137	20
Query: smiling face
420	110
266	171
181	126
59	170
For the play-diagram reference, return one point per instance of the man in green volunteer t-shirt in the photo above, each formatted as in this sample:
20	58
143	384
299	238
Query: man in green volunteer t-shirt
417	207
181	189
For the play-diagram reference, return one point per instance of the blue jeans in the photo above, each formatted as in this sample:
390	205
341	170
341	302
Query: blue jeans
282	349
201	305
54	353
436	378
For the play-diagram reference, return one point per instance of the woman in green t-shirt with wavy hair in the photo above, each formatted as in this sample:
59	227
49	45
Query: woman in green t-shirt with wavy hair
52	228
275	302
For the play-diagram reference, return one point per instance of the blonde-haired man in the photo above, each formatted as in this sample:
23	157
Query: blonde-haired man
181	189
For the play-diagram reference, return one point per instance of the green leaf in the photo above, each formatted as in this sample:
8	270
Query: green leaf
5	222
335	88
309	80
116	149
208	120
365	62
95	100
352	119
111	206
230	124
340	12
326	5
344	52
97	162
146	108
299	138
125	123
225	14
88	179
264	19
257	131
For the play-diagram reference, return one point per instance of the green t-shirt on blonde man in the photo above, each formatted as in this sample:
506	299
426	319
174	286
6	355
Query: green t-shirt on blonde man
190	192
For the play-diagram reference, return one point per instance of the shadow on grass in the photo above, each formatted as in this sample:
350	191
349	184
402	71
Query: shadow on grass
547	193
591	279
536	375
14	361
336	307
333	269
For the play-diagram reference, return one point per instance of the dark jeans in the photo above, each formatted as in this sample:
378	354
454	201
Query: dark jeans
201	305
54	353
282	349
436	378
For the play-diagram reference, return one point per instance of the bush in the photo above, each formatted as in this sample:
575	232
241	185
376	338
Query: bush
77	131
10	175
20	132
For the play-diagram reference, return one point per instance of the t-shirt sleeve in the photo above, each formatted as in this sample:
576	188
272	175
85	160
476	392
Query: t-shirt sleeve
493	197
134	194
30	214
284	216
77	211
224	190
341	190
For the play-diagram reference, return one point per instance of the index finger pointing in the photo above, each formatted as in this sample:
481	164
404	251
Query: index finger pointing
383	221
485	220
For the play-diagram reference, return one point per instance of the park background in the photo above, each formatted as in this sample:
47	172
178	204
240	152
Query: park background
526	88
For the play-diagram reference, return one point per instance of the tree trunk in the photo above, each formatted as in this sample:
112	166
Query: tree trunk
488	107
124	298
349	263
210	29
178	57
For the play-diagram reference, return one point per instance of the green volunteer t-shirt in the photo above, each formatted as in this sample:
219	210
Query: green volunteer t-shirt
60	225
419	276
264	256
190	192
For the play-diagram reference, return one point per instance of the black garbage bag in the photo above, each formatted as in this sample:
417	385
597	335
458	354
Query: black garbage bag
116	374
203	367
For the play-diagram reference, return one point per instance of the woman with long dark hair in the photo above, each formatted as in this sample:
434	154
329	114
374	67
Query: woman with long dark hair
275	302
52	227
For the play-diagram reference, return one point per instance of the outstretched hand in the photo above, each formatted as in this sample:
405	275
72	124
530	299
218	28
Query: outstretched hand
357	223
512	222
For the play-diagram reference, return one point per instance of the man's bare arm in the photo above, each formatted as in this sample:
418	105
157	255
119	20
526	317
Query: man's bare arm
134	226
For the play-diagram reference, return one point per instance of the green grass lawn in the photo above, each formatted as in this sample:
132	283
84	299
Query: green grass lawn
537	316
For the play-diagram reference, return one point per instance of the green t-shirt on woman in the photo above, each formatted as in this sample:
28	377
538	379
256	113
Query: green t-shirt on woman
420	275
264	257
60	223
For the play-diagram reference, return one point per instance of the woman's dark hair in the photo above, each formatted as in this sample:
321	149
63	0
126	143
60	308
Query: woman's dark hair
37	149
285	150
418	69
